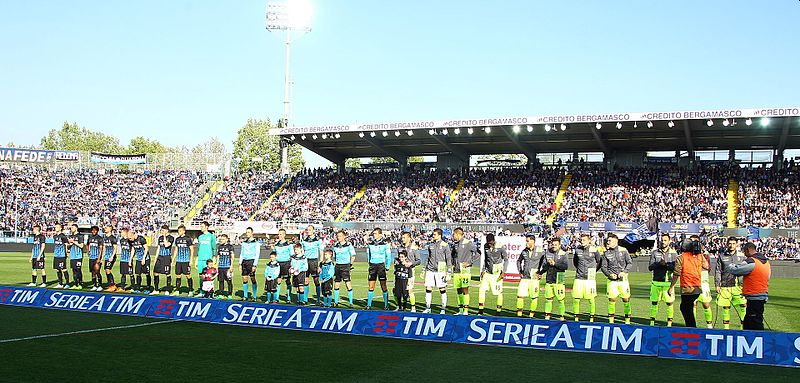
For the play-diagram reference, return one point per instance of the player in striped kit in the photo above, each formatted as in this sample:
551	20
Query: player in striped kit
163	264
60	257
184	252
37	257
225	259
125	260
109	256
141	261
76	246
95	243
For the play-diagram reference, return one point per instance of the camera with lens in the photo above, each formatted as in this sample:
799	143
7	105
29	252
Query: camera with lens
694	247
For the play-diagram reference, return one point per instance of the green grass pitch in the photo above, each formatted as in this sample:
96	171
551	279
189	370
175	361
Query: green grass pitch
137	349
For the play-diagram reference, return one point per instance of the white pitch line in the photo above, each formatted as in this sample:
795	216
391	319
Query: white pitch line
87	331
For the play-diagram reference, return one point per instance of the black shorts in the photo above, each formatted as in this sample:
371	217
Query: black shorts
313	268
223	274
341	273
182	268
139	268
125	268
75	263
163	265
285	266
299	279
377	272
97	262
327	287
60	263
108	264
271	285
36	264
247	268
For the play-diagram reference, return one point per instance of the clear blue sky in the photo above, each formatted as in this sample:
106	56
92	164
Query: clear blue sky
183	71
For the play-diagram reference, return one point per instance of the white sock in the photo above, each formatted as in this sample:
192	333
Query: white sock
428	299
444	301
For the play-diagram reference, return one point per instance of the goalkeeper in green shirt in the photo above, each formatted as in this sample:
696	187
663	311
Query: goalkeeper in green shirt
206	249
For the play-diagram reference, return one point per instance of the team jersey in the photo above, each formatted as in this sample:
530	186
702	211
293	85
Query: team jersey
439	257
528	262
342	253
206	246
311	247
183	244
615	262
124	250
109	242
224	253
412	254
251	250
662	273
75	252
209	273
554	273
722	274
94	242
300	263
165	251
38	245
284	250
585	260
494	259
379	252
60	249
139	246
272	271
326	272
464	251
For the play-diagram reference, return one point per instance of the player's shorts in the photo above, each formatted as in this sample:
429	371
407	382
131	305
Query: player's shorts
95	264
208	286
247	268
377	272
139	268
618	289
705	294
461	280
659	290
313	268
327	287
528	287
271	285
435	279
60	263
492	282
125	268
182	268
341	273
75	263
584	289
224	274
411	280
108	264
163	265
730	295
299	279
285	266
555	290
37	264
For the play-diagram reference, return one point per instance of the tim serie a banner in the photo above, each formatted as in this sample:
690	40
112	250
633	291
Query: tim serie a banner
755	347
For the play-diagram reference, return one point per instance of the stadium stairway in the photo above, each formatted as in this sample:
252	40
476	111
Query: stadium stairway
562	191
216	185
455	192
733	203
359	194
272	196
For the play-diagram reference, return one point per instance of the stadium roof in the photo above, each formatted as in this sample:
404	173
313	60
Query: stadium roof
764	128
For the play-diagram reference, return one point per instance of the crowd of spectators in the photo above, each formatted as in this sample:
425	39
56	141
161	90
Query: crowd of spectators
31	195
769	197
644	194
240	197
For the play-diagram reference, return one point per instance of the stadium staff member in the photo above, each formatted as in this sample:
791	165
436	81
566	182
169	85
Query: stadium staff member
755	287
689	267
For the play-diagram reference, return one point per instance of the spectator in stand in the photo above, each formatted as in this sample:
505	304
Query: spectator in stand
241	197
768	197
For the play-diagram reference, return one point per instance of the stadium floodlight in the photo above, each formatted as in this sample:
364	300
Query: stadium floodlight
289	15
649	124
361	134
324	136
765	121
410	133
457	131
337	135
292	137
748	121
444	132
598	125
710	122
385	133
529	128
563	127
635	125
372	134
314	137
725	122
397	133
671	124
470	130
547	127
487	129
515	128
619	125
432	132
303	137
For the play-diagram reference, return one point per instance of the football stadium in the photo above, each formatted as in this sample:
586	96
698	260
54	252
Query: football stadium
567	246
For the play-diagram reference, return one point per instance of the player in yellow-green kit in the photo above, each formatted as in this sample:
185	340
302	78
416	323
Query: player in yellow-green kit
585	258
616	263
494	263
528	265
465	254
728	286
553	266
662	264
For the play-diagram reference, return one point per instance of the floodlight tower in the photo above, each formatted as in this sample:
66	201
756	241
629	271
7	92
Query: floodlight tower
288	16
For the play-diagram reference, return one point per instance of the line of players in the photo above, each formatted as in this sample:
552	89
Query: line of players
297	264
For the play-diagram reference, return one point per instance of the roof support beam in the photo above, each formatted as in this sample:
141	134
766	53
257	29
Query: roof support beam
329	155
600	141
784	135
401	158
525	149
456	151
687	132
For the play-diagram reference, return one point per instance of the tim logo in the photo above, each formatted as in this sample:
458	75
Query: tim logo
685	343
386	324
165	307
5	294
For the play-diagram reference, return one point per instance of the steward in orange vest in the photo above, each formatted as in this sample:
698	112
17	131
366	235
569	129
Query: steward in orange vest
755	287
